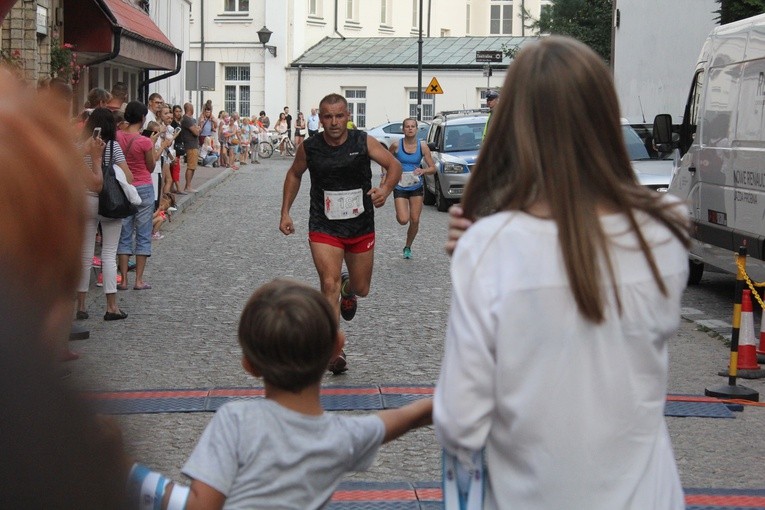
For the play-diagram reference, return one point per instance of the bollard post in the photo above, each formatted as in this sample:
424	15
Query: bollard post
732	390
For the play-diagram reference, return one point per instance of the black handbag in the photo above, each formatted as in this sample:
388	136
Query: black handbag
112	201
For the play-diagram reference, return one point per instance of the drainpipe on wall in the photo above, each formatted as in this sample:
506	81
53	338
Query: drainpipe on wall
117	32
299	86
336	14
147	81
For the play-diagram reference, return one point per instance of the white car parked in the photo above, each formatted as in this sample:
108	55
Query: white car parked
389	132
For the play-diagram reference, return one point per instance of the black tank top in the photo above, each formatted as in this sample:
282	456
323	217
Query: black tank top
342	168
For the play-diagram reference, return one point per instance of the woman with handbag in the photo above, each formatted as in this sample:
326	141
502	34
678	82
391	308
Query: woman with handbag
100	131
141	155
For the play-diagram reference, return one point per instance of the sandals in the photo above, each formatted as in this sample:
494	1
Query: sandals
144	286
115	316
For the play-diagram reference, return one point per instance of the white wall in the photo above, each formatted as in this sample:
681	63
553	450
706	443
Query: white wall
655	51
172	17
386	90
232	39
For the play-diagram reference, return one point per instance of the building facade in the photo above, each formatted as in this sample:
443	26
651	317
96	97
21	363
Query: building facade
96	43
249	77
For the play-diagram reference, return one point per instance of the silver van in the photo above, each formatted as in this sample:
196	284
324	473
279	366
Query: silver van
721	171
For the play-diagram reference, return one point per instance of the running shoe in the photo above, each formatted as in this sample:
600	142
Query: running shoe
407	252
338	365
348	302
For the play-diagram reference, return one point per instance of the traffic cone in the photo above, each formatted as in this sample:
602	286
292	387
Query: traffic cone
747	352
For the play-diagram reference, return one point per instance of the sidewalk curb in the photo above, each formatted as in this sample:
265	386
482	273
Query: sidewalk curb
184	201
713	327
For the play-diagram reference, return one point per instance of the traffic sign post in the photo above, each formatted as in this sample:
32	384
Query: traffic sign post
488	56
434	87
200	75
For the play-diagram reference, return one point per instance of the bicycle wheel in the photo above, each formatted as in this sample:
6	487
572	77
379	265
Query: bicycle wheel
265	149
289	148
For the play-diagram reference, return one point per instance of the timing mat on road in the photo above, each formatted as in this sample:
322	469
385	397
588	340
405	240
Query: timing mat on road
427	496
334	398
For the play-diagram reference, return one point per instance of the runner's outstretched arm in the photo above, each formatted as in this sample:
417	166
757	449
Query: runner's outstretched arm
391	171
291	187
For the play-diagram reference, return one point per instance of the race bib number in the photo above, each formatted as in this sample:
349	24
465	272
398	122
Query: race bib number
342	205
408	179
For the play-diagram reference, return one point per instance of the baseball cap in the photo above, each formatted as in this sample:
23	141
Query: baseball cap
492	94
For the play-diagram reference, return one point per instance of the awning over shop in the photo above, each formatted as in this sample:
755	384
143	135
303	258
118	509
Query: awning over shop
118	31
5	8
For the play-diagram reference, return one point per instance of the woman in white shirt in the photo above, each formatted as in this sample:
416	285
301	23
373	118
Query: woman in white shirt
565	292
281	129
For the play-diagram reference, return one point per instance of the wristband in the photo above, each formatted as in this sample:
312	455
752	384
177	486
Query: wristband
145	488
178	497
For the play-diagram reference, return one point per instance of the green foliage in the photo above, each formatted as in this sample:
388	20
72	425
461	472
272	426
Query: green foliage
733	10
63	62
586	20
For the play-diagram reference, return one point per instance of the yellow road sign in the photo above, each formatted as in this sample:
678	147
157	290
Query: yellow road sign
434	87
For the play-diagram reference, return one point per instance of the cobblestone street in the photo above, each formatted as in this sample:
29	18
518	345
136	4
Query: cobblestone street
225	242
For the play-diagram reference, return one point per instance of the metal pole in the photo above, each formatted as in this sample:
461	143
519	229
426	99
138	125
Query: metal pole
419	69
201	49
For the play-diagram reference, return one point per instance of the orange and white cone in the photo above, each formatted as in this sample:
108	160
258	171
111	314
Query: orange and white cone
747	351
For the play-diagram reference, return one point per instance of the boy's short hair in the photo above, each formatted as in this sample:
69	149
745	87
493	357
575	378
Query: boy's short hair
288	331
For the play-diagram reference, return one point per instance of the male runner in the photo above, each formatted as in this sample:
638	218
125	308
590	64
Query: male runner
341	219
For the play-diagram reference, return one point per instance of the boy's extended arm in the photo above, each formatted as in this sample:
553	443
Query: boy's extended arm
400	421
201	497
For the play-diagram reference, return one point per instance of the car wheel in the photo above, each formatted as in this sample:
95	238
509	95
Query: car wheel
442	204
428	197
695	270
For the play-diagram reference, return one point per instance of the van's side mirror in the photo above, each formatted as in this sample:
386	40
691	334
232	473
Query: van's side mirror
662	129
432	146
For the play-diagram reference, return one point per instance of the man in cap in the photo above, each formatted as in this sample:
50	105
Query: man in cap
492	98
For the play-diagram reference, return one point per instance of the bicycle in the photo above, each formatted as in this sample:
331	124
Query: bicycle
266	148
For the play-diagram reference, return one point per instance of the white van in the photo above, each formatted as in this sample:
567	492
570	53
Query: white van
722	143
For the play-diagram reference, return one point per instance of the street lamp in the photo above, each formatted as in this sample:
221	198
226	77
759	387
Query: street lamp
264	35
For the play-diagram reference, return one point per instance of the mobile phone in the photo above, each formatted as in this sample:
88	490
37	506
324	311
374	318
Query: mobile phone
177	130
147	132
97	133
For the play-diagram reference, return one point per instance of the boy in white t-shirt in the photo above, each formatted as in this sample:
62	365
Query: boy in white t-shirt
284	451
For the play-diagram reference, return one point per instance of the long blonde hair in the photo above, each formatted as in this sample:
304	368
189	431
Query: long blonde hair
556	137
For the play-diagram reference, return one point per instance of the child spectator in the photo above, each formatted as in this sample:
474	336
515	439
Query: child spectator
209	152
163	213
245	137
288	333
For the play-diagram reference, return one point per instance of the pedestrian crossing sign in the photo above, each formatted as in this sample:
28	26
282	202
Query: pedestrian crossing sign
434	87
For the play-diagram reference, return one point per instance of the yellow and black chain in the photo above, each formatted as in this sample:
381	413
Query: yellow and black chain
751	284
